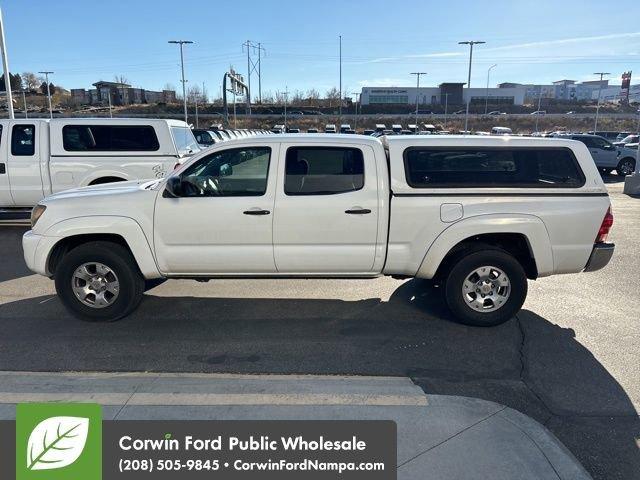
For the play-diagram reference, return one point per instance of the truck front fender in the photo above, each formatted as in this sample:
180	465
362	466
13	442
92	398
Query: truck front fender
530	226
125	227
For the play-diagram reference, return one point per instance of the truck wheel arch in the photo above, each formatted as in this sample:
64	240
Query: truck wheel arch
122	230
524	236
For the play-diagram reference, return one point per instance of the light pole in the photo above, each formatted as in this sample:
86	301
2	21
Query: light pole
46	76
486	97
110	109
357	94
5	67
471	43
602	74
284	95
417	74
340	55
184	89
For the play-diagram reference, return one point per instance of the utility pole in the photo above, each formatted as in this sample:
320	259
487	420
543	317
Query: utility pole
486	97
286	95
196	100
5	67
340	74
446	104
539	102
46	76
260	73
24	101
471	43
355	123
602	74
252	67
110	111
417	74
184	88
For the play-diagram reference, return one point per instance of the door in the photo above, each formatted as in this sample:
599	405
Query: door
326	215
23	164
221	222
6	200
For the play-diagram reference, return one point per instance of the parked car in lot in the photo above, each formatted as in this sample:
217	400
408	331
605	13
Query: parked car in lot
627	139
481	215
604	153
501	131
539	112
627	157
40	157
204	138
330	128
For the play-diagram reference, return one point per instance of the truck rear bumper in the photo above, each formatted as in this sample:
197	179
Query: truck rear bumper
600	256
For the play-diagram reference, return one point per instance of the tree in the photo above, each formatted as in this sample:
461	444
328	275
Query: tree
31	81
333	95
121	79
43	88
313	96
15	80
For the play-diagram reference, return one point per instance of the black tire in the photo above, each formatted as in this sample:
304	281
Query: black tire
120	261
464	266
626	166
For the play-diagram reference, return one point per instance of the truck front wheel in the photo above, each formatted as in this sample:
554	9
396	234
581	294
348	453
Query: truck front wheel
99	282
486	288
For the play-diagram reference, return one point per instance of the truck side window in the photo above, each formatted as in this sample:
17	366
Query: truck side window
236	172
323	170
109	138
492	167
22	140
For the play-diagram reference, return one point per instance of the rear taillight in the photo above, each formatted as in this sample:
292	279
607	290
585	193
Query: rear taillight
606	225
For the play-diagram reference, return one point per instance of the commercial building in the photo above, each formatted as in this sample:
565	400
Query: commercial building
504	94
445	93
120	94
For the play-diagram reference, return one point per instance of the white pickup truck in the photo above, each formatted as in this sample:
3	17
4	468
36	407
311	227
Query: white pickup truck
39	157
481	214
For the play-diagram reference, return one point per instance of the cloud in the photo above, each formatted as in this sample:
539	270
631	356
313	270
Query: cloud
564	41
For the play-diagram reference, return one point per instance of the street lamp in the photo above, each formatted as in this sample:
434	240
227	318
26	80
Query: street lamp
184	89
486	97
46	75
471	43
602	74
417	74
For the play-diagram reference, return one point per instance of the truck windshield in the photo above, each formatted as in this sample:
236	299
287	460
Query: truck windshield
185	141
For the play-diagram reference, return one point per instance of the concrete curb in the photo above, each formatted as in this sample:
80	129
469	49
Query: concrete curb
440	437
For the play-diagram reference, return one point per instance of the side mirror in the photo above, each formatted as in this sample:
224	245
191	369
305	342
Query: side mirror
173	187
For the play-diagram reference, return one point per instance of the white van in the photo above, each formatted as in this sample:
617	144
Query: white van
39	157
501	131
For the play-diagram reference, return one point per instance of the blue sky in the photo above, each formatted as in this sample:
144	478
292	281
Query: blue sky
383	41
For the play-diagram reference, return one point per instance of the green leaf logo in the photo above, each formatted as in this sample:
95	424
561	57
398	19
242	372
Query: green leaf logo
56	442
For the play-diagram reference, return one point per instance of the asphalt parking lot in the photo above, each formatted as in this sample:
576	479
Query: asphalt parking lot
569	359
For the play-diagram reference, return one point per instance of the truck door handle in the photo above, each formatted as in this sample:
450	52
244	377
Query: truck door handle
3	169
256	211
358	211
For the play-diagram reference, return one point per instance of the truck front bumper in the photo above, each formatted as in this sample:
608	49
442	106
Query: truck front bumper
600	256
36	250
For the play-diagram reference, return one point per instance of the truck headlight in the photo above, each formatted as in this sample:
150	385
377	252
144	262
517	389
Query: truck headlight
36	213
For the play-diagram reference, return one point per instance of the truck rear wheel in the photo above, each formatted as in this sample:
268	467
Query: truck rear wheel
486	288
99	282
